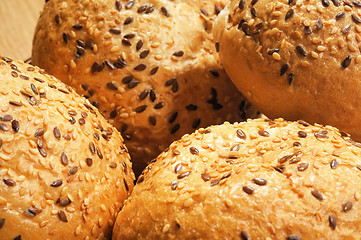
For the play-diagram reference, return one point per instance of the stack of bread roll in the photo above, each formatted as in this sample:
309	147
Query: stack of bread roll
156	72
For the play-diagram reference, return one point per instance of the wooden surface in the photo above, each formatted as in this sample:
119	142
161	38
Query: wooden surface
18	20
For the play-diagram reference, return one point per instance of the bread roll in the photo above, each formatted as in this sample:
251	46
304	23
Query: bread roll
148	65
64	171
252	180
296	59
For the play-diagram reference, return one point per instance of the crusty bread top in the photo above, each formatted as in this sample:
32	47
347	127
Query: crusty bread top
64	171
149	66
253	180
296	59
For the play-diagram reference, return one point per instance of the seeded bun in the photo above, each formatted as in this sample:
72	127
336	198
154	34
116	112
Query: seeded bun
149	66
295	59
252	180
64	170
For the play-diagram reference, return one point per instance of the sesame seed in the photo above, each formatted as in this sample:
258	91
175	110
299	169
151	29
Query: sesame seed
289	14
248	190
332	220
174	185
317	194
62	216
183	175
260	181
9	182
194	151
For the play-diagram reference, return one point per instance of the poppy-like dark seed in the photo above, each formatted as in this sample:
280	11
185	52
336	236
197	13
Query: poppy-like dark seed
183	175
177	168
128	20
317	194
115	30
159	105
245	235
164	11
89	162
301	50
99	153
334	164
152	120
140	67
118	5
133	83
346	62
260	181
62	216
302	167
332	220
140	109
141	9
291	77
284	69
194	151
9	182
242	4
347	206
293	237
346	29
325	3
263	133
336	3
56	183
356	18
144	54
253	12
2	222
77	27
319	24
289	14
150	9
15	124
175	128
248	190
340	15
308	30
143	95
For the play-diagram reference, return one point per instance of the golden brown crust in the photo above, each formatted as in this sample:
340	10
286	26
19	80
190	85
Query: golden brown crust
63	168
172	82
253	180
297	60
